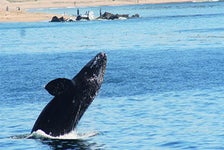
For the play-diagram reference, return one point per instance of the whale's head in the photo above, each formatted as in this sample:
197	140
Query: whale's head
94	70
91	75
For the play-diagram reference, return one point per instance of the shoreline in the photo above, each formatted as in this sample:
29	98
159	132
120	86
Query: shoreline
16	11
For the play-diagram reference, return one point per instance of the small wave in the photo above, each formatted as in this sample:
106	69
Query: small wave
39	134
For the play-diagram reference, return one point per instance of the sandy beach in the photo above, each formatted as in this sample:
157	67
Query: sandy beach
16	10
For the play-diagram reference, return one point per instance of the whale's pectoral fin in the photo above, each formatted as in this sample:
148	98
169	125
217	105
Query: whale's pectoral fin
59	86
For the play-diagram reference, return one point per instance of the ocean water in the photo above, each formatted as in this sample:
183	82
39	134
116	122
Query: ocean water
163	86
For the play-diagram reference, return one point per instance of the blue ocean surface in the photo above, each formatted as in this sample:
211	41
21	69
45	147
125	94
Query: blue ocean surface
163	87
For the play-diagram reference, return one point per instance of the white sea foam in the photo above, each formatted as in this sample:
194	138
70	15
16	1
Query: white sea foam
73	135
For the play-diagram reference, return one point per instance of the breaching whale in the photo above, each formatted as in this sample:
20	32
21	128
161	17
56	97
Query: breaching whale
71	98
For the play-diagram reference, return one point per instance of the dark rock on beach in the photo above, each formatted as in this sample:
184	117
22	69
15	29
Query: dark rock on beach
110	16
56	19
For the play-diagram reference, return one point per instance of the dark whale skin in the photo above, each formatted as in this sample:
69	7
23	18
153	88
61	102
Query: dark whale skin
71	98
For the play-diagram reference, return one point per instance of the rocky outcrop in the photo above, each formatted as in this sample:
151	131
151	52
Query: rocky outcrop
135	16
110	16
90	16
56	19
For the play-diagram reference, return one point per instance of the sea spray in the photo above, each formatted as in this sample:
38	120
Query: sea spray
73	135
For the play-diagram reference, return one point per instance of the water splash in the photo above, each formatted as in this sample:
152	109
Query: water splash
73	135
